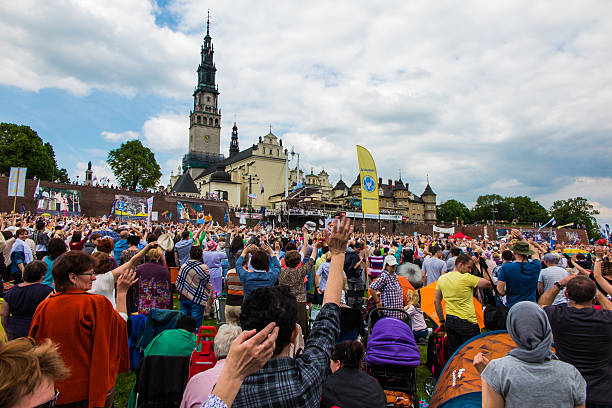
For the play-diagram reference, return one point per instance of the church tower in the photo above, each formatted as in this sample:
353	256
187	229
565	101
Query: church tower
233	150
205	119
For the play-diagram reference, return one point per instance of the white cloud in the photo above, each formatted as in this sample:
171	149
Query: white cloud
83	45
167	132
123	136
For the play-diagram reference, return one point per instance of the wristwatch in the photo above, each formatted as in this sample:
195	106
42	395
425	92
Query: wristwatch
558	285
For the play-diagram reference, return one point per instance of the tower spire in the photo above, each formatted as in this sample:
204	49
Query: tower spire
208	23
234	149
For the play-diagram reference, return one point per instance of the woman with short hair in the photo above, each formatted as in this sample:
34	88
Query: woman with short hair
92	336
349	386
29	373
21	301
55	248
200	385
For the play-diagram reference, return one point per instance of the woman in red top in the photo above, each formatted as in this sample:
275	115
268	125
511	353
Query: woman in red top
76	243
92	336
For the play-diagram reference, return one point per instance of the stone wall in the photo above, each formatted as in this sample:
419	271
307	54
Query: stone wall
97	201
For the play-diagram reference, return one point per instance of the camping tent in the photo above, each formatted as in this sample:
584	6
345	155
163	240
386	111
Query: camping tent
427	305
459	384
459	235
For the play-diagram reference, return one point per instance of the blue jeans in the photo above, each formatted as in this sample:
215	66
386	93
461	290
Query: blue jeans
421	334
192	309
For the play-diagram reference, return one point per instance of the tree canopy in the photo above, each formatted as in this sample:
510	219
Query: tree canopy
452	211
134	165
577	210
20	146
521	209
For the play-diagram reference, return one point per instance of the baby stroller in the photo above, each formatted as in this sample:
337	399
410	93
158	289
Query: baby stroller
392	357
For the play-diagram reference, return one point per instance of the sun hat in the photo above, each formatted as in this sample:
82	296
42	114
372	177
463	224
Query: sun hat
390	260
165	242
522	248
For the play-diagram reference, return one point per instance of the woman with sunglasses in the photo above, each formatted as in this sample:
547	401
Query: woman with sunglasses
29	373
91	334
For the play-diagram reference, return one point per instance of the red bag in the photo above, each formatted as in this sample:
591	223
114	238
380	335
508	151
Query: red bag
203	357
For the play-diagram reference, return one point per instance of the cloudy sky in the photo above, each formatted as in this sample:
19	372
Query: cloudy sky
485	97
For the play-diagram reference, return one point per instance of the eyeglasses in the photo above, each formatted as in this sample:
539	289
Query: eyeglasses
50	403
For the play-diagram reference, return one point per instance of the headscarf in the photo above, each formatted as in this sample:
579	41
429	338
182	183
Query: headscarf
529	328
21	246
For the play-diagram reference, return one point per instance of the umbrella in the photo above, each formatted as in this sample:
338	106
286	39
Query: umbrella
460	235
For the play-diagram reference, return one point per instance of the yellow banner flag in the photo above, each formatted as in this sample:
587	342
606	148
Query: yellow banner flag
369	185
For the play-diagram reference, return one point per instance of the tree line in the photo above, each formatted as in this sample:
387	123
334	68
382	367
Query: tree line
521	210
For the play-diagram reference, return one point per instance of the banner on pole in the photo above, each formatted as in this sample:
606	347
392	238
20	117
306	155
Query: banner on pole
149	210
450	230
369	183
16	184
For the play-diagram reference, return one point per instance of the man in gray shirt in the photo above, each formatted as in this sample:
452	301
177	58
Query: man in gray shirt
553	273
450	262
434	266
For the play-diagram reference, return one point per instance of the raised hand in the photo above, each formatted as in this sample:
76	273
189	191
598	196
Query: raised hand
126	280
341	233
251	351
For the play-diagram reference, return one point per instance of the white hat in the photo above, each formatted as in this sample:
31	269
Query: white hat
165	242
390	260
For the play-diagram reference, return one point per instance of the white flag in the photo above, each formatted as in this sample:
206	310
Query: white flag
37	189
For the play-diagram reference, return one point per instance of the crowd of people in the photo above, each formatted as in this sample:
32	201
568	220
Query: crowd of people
73	285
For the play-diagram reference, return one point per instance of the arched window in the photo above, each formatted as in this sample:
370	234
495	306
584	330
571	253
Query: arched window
210	121
216	122
199	119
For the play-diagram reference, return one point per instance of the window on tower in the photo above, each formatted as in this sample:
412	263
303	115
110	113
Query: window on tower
216	122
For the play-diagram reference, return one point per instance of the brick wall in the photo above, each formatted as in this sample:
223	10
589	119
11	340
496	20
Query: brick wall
96	201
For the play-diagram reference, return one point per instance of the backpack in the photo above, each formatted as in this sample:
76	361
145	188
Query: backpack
203	357
495	312
437	352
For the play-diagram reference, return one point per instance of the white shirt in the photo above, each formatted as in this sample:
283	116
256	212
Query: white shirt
104	285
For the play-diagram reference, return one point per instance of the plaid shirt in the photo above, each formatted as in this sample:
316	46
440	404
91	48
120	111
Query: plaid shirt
289	382
192	280
391	294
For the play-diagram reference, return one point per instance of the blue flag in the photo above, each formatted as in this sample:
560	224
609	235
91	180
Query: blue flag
170	215
225	218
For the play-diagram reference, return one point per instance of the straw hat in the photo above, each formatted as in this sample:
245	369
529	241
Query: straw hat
165	242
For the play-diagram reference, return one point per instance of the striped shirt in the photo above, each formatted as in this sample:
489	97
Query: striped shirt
192	280
376	265
234	288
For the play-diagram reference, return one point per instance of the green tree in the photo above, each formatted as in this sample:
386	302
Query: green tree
134	165
451	210
20	146
579	211
526	211
488	208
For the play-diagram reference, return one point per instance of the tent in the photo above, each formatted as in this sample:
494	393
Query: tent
459	384
427	305
459	235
